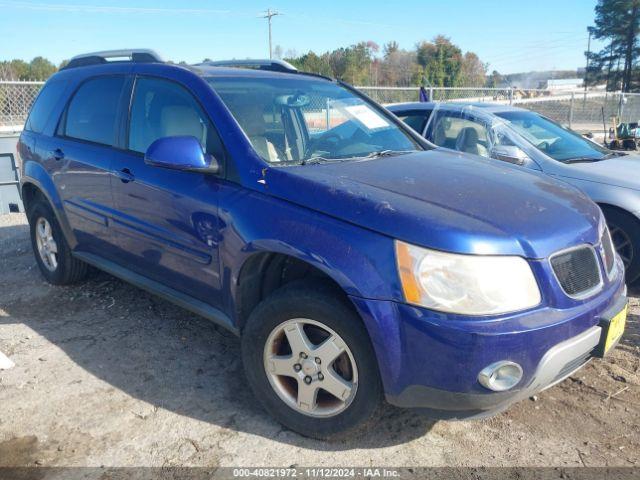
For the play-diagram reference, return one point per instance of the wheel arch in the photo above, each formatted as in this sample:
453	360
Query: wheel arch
264	271
36	182
378	317
631	263
610	206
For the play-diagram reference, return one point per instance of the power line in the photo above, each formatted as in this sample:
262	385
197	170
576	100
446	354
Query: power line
543	50
268	15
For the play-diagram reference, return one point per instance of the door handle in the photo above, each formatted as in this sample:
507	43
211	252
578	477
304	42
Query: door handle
57	154
126	176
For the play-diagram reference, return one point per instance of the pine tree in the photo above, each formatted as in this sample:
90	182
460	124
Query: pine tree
617	23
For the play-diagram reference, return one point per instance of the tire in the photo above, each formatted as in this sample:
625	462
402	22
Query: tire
327	309
625	233
66	269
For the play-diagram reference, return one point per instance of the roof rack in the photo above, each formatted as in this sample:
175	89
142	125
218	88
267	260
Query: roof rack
139	55
273	65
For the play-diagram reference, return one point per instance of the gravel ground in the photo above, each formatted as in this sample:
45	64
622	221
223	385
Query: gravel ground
107	374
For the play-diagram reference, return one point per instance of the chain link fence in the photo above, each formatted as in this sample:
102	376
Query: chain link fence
589	111
16	99
582	111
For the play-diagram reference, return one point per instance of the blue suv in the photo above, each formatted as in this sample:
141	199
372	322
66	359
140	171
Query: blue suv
356	261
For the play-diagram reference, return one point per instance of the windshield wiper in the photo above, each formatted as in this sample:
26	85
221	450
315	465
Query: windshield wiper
582	160
318	159
312	160
376	154
387	153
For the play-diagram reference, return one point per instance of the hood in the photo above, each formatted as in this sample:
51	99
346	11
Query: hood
621	171
446	201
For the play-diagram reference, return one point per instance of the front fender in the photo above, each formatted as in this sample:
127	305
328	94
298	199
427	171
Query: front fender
603	194
360	261
35	174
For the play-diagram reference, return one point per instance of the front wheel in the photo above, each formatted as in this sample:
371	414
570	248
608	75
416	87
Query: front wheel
309	361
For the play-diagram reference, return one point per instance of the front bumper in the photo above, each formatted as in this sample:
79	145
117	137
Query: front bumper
557	364
430	361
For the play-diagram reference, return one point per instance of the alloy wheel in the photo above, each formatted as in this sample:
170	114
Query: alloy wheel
47	246
623	244
310	367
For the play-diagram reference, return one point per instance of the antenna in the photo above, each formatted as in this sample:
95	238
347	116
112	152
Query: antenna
268	15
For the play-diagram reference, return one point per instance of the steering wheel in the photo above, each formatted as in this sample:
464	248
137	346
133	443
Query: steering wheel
331	138
556	146
328	142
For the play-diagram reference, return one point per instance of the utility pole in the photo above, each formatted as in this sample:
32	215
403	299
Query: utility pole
586	70
268	15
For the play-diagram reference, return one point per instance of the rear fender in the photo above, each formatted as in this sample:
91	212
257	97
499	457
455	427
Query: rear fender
35	174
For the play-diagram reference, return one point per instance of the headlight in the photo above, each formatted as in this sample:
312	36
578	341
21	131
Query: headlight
465	284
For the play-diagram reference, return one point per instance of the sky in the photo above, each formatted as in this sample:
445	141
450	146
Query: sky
512	36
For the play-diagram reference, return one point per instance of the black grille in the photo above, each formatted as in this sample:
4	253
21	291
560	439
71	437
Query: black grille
577	270
607	250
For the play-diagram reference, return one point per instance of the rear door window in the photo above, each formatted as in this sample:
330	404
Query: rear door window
92	113
415	120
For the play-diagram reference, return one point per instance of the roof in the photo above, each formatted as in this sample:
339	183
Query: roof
488	107
255	68
213	71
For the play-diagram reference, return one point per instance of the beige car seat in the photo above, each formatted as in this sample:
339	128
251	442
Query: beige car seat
469	142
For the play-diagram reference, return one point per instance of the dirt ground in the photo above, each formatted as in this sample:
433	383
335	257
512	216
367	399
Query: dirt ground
106	374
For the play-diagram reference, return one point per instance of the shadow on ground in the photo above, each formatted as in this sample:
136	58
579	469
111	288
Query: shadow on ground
157	352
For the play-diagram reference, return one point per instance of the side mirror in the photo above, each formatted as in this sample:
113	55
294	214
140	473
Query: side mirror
510	154
180	153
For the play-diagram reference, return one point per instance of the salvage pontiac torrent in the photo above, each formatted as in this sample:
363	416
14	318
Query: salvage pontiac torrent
357	262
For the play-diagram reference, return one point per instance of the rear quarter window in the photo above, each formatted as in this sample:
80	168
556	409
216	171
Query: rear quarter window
44	104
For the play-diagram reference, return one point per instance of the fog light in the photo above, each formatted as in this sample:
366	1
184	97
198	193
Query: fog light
500	376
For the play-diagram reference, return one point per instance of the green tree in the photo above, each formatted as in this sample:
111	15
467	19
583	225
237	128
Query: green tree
352	64
441	61
398	68
357	62
495	80
17	70
40	69
617	23
390	48
310	62
472	71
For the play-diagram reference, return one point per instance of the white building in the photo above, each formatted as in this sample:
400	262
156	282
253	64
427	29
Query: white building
565	84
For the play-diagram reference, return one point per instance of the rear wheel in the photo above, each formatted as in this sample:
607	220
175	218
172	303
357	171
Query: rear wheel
625	234
53	255
309	361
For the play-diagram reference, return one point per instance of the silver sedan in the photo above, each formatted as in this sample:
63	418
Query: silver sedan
530	140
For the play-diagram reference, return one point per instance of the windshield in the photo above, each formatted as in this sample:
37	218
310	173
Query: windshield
308	120
553	139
